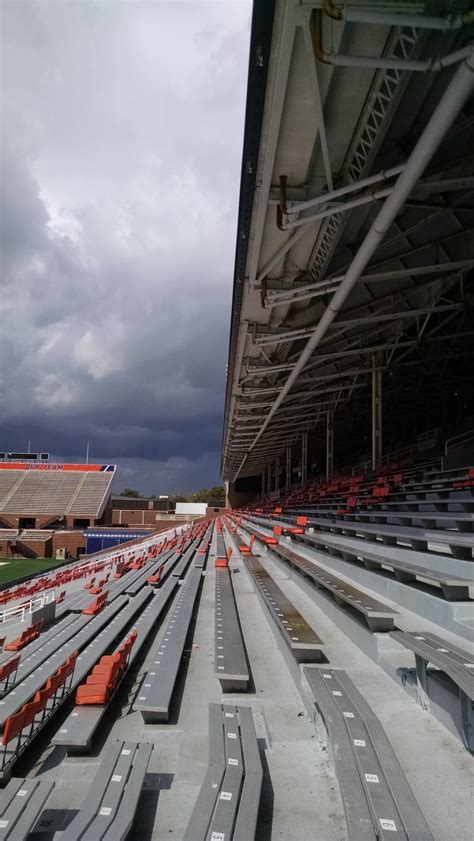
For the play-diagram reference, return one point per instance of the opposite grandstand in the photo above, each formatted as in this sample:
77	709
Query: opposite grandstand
296	663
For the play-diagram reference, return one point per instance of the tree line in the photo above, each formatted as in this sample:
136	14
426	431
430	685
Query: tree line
214	494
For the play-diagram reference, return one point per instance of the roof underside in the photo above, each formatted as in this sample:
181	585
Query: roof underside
410	313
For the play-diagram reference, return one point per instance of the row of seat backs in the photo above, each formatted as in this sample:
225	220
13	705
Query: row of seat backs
47	583
97	605
26	636
368	488
106	674
7	669
17	722
155	579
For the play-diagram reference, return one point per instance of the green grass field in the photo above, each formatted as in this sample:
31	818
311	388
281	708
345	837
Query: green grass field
19	567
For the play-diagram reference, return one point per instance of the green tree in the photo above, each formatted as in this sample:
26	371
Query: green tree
131	492
203	495
218	493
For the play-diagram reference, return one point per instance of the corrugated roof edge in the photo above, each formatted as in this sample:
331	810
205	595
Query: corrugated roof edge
259	54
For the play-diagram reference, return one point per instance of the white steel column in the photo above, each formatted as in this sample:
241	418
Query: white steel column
304	457
376	411
330	445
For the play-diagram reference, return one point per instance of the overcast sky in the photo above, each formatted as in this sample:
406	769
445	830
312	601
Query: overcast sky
119	193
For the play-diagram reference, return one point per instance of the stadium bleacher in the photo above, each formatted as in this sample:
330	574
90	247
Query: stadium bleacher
143	636
54	490
300	666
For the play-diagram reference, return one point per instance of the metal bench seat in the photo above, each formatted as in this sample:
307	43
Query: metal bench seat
108	810
228	802
460	543
146	571
455	519
378	801
453	587
378	615
181	567
220	546
230	662
453	661
459	498
156	691
77	732
298	635
21	804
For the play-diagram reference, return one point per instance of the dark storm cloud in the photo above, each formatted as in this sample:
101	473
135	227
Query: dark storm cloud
120	177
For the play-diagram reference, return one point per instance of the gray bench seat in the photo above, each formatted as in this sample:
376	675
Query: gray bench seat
77	732
460	543
181	567
228	802
220	546
148	569
230	662
378	615
298	635
108	810
378	801
453	661
21	804
447	519
460	501
156	691
453	587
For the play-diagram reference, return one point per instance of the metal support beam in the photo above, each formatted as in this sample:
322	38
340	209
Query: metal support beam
304	457
288	469
454	98
269	479
301	293
277	473
330	445
263	484
376	412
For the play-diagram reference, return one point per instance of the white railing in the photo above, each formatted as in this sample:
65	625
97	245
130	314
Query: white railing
18	613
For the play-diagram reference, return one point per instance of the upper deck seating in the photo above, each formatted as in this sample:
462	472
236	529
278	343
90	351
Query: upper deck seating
91	495
43	492
8	480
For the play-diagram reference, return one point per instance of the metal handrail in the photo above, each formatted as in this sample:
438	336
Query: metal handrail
462	438
18	612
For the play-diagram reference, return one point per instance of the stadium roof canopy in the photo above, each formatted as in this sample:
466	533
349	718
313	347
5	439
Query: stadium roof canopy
355	247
